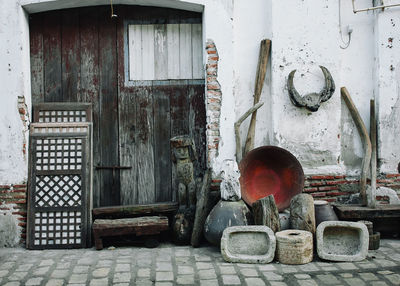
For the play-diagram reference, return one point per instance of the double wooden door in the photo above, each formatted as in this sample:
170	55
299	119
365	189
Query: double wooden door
82	55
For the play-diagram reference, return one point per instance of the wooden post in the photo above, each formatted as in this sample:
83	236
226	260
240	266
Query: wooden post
261	71
266	213
372	202
239	151
366	142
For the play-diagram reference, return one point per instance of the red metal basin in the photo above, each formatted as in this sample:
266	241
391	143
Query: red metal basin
270	170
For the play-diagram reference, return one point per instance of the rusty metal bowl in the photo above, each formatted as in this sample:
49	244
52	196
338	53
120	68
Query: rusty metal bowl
270	170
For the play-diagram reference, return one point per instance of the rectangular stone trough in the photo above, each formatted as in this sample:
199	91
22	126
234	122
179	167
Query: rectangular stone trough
248	244
342	241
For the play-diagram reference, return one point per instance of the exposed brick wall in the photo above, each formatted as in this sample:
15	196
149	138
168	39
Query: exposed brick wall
13	201
214	98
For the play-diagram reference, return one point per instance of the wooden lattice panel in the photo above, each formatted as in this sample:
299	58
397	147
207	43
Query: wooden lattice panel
62	112
59	201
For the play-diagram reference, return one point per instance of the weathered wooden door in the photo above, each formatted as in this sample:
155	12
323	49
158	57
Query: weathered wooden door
84	55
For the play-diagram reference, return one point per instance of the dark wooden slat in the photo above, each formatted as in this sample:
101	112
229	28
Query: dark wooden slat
36	50
89	90
162	151
70	55
197	127
108	119
52	57
127	141
135	210
360	212
145	146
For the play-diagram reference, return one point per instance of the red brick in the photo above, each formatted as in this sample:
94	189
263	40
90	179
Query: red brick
4	187
328	188
316	184
342	182
383	181
215	58
309	190
211	51
19	186
392	175
22	219
20	197
334	194
322	177
340	177
320	194
330	200
4	209
18	202
22	224
20	213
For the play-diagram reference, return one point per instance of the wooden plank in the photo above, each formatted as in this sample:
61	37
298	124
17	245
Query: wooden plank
110	194
128	127
185	51
89	86
36	50
148	52
160	52
135	52
197	125
197	51
162	151
135	210
360	212
145	147
70	55
52	57
173	50
179	110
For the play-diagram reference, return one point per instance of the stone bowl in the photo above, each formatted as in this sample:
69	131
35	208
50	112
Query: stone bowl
248	244
342	241
270	170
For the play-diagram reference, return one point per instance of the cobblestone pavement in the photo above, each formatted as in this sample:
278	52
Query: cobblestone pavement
174	265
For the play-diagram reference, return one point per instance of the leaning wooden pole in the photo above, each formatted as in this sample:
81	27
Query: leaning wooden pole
261	71
372	202
366	142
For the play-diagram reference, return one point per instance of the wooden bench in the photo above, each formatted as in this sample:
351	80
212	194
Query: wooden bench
149	225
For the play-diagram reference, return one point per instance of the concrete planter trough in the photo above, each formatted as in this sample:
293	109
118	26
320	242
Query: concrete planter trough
248	244
342	241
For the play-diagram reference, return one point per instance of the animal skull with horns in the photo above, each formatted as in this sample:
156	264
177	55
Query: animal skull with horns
311	101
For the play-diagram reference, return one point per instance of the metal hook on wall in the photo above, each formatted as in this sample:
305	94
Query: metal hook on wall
112	10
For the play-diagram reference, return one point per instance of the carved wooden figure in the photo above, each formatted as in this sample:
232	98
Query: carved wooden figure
184	155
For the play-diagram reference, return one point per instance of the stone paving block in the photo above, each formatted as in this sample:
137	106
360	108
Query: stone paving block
144	272
185	279
267	267
163	266
346	265
17	276
122	268
24	267
34	281
199	257
231	280
185	270
12	284
47	262
164	276
55	282
143	262
121	284
307	282
3	273
81	269
99	282
212	282
182	260
385	263
271	276
302	276
182	252
78	278
394	278
40	271
368	276
227	270
207	274
354	282
328	279
163	284
122	277
248	272
378	283
146	283
100	272
7	265
104	263
276	283
346	275
254	282
204	265
289	269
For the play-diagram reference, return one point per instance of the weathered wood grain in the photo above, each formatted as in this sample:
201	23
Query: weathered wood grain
266	213
36	50
52	57
185	51
70	55
173	50
135	210
108	111
148	52
160	52
197	51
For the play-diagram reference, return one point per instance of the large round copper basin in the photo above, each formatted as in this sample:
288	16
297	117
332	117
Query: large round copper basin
270	170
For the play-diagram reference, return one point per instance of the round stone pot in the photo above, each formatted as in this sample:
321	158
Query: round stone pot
324	212
223	215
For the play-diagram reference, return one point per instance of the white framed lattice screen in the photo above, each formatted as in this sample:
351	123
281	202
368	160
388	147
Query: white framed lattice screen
59	187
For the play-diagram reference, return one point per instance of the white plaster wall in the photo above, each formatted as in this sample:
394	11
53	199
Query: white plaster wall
14	77
387	26
305	35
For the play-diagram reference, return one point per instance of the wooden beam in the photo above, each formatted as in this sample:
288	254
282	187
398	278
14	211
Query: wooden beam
372	201
261	71
366	142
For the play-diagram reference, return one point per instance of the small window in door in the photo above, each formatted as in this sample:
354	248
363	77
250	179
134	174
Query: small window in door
165	51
